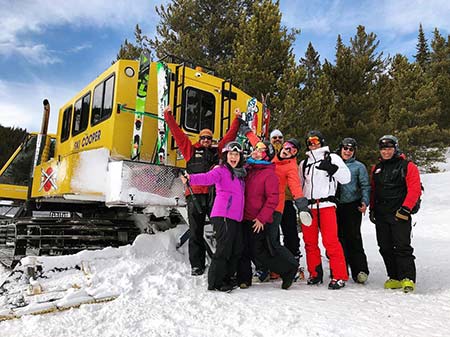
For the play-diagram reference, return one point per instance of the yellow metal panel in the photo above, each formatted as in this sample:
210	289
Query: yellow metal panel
16	192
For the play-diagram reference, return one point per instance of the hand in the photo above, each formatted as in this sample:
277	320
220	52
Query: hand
328	166
238	112
362	208
403	214
302	204
257	226
185	178
372	217
244	128
168	109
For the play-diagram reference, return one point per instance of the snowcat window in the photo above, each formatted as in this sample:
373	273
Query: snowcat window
102	102
81	114
65	128
200	110
18	171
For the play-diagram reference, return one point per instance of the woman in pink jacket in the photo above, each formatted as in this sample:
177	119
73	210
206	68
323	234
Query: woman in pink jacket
226	215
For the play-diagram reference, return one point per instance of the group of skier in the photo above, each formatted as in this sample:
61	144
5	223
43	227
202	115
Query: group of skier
329	191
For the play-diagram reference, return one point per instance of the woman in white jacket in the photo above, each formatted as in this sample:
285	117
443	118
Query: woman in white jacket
320	174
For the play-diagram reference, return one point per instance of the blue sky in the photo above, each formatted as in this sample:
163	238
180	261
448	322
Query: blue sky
53	48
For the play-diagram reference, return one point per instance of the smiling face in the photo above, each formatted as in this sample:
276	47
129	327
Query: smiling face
347	152
259	153
233	158
206	141
313	143
387	153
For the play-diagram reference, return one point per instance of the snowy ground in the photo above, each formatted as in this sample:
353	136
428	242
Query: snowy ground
160	298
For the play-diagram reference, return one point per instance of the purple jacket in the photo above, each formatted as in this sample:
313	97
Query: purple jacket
261	192
229	201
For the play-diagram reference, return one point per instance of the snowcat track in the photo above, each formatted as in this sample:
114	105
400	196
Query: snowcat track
56	236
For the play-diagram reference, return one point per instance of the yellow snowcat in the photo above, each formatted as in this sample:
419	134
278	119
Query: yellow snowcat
111	170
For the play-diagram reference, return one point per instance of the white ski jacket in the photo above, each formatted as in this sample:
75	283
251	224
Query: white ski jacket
316	183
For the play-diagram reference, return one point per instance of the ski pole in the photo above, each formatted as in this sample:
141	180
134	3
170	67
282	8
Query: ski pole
194	199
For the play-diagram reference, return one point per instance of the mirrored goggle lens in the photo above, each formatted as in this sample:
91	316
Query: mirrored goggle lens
313	141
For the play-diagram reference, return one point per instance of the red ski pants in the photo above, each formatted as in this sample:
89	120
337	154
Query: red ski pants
326	222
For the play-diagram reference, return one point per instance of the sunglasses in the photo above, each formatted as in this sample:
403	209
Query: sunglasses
277	137
348	148
313	141
206	137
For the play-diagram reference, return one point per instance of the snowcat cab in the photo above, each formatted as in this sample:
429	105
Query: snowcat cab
110	172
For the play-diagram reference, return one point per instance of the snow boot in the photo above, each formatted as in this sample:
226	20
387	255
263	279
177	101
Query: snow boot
361	277
336	284
261	276
288	279
197	271
318	279
408	285
392	284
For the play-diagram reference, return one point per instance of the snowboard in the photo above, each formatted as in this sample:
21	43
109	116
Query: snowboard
141	96
163	80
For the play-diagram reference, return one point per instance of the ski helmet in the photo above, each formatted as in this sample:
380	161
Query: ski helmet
315	134
294	142
233	146
348	143
388	141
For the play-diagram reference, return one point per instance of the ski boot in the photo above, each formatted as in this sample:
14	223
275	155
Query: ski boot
336	284
392	284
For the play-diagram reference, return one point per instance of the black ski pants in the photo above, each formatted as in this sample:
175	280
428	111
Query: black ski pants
228	251
260	248
197	220
349	231
289	228
394	241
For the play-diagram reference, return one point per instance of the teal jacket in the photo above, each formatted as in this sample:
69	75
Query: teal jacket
358	189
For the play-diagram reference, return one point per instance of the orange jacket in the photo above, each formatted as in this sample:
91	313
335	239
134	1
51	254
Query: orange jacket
287	172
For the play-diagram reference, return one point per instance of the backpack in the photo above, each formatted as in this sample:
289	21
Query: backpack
416	207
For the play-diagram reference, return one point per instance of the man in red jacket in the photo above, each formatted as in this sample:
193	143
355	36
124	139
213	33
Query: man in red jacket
200	157
396	188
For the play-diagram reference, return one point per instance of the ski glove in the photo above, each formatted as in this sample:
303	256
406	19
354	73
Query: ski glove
403	214
372	217
328	166
305	212
243	127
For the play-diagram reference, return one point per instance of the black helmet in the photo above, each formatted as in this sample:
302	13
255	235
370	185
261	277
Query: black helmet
294	142
349	142
388	141
315	133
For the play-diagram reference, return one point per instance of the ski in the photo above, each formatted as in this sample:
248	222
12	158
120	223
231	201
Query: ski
163	80
251	115
141	95
266	117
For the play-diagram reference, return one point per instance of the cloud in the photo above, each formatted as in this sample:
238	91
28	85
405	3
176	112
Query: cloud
21	103
27	18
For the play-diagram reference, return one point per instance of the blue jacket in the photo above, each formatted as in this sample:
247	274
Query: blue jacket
359	186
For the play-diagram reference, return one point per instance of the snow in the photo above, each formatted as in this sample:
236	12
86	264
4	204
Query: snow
158	297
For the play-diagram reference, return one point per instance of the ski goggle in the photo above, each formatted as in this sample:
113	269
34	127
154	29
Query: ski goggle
260	147
233	147
313	141
386	143
206	137
288	147
348	148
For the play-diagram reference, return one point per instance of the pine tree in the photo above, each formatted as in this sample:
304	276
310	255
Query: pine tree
130	51
311	64
11	139
423	52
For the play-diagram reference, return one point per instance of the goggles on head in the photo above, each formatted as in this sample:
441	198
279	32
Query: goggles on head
260	147
233	147
313	141
386	143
